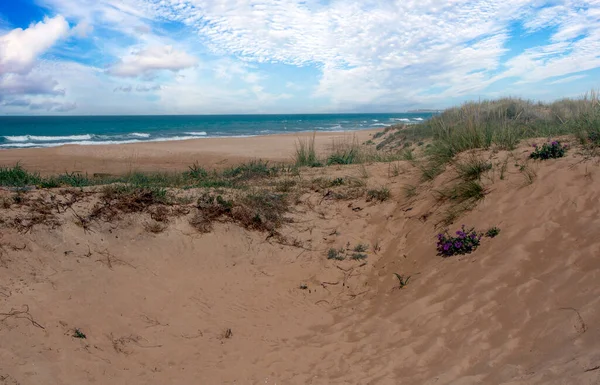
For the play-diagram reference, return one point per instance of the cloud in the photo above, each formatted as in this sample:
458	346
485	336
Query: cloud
123	89
30	84
374	51
128	89
20	48
17	103
53	106
152	59
148	89
568	79
354	54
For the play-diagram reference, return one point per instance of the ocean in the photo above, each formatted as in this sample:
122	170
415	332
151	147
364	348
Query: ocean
49	131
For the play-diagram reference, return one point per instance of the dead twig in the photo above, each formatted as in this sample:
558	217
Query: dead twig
24	314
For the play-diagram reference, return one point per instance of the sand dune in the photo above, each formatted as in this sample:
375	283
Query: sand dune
230	307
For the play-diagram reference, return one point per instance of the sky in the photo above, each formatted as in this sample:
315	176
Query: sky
97	57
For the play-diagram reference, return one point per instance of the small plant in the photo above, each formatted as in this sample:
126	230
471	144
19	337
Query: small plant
306	154
197	172
303	286
334	254
337	182
359	256
551	150
492	232
473	168
466	241
79	334
382	194
402	281
360	248
409	191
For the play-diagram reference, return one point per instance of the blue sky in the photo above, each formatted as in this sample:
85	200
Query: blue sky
293	56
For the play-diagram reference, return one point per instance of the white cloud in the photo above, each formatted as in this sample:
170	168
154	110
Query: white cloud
365	52
30	84
20	48
568	79
53	106
152	59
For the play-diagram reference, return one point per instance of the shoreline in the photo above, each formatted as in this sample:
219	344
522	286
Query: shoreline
174	155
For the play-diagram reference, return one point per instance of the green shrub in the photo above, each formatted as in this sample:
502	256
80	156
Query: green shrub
551	150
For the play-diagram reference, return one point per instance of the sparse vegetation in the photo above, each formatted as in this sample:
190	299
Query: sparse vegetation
335	254
402	281
77	333
409	191
492	232
361	248
359	256
381	194
306	154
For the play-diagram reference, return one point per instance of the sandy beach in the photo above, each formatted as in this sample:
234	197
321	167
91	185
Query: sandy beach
111	287
170	155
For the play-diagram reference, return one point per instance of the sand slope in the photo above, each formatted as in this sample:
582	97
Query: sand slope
523	309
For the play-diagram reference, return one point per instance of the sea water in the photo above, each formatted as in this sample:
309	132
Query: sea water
49	131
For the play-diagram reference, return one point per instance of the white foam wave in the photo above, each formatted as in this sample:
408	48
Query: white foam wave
380	124
35	138
140	134
419	119
200	133
101	142
401	120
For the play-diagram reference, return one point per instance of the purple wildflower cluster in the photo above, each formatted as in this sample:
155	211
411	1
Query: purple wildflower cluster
550	150
465	242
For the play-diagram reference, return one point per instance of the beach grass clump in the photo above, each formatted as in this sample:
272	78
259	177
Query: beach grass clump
17	176
492	232
306	154
381	194
335	254
348	155
465	242
551	150
359	256
361	248
251	170
472	168
463	190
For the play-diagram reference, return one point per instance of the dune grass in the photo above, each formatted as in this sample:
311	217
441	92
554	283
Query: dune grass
503	123
306	154
196	177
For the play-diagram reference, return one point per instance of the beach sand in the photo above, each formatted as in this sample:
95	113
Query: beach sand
168	156
236	306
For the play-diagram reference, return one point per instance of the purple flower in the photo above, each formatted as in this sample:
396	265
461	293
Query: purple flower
555	143
446	247
458	245
535	145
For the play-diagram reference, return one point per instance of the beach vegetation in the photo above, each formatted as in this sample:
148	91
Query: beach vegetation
551	150
306	154
361	248
335	254
465	241
402	280
358	256
381	194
